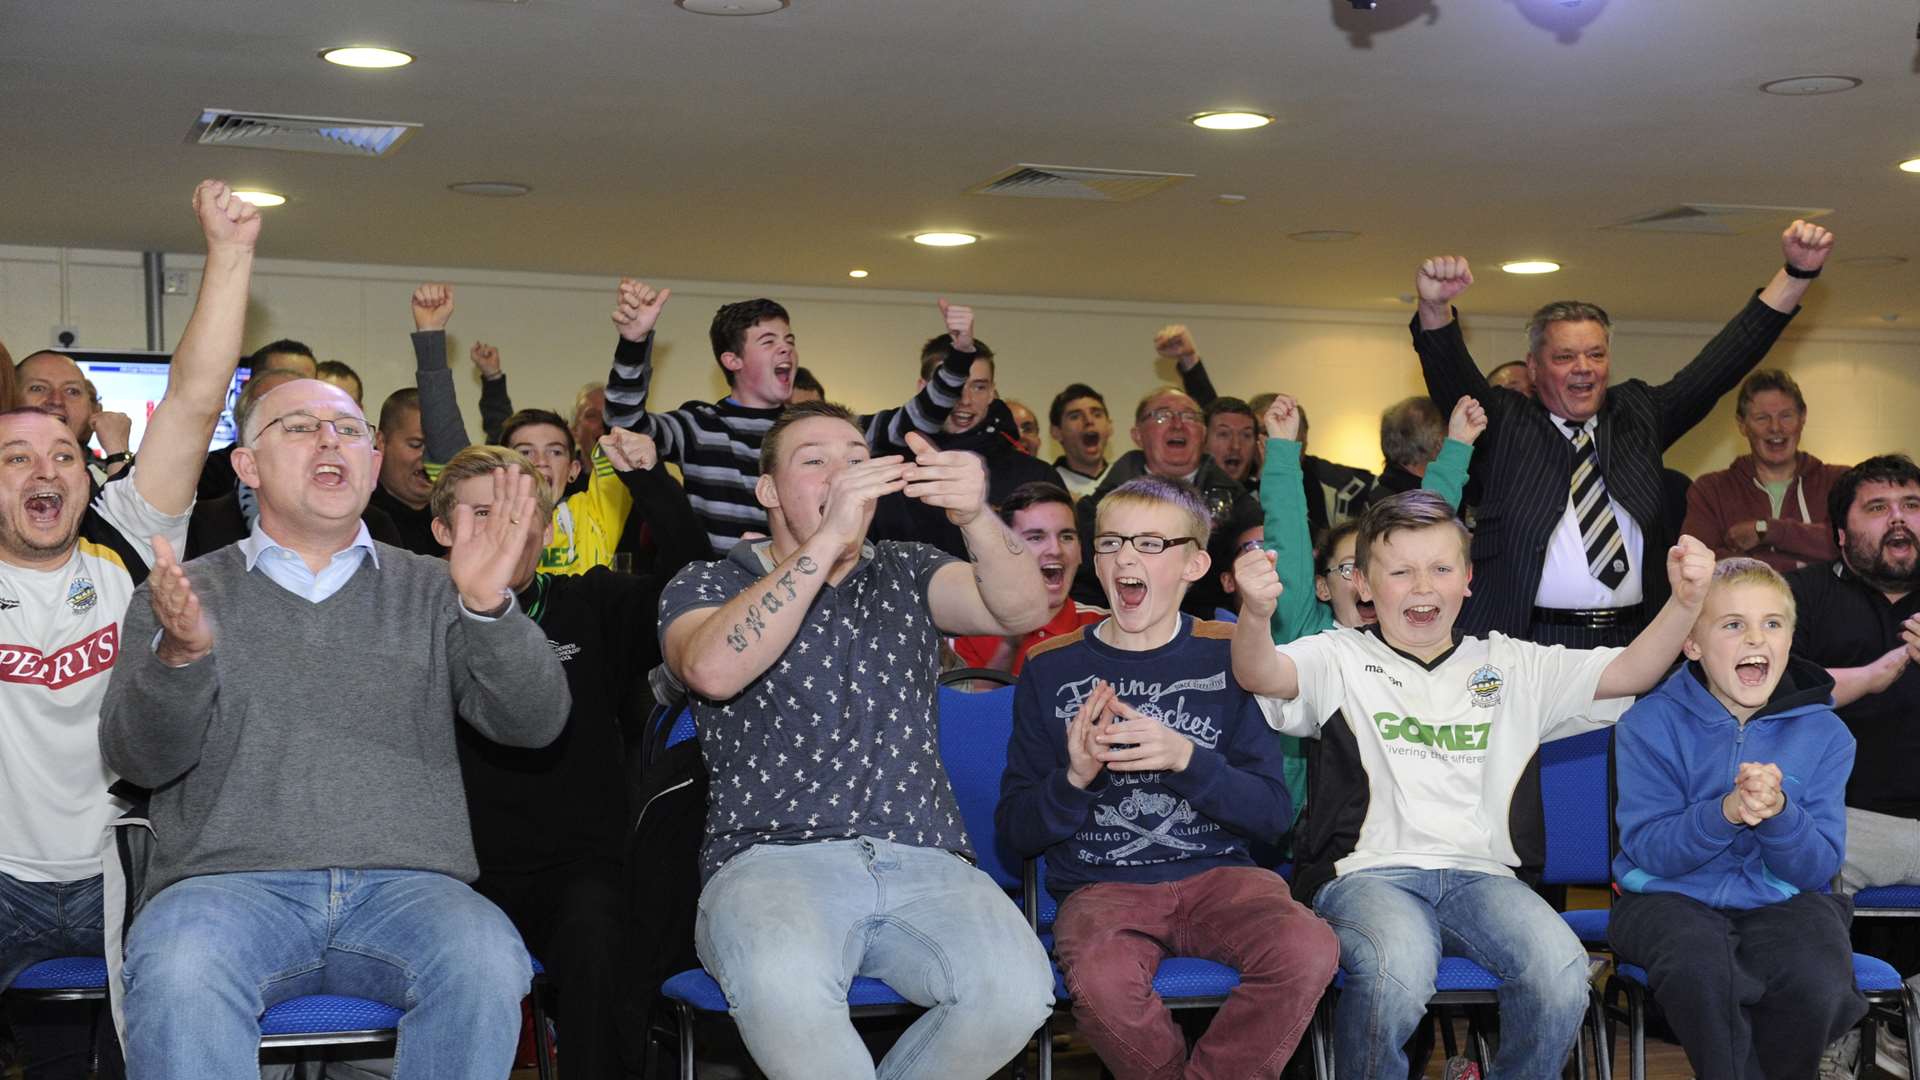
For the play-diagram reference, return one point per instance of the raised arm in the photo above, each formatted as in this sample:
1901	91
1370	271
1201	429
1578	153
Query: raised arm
1175	343
1257	665
1684	400
1283	503
441	424
658	500
1000	591
1640	666
167	465
495	405
636	309
1447	474
927	409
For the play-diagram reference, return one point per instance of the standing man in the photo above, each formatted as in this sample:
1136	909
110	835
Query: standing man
1573	522
68	568
834	846
1771	503
291	699
1079	422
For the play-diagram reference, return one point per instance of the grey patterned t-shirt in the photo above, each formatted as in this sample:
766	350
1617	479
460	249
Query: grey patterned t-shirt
839	738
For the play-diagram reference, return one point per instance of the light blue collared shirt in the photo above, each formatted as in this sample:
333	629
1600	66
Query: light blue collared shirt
285	568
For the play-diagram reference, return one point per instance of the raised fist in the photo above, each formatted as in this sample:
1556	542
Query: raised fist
1442	278
1257	581
432	306
637	307
486	358
1690	571
1806	245
1282	418
1469	419
629	450
114	429
226	220
959	320
1175	342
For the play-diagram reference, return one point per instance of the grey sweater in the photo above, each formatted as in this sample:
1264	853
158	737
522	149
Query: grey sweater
322	735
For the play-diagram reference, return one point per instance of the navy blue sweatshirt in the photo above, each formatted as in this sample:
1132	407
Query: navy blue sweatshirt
1676	754
1141	827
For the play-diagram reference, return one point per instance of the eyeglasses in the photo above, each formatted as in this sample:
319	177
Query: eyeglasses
301	425
1345	569
1167	416
1144	543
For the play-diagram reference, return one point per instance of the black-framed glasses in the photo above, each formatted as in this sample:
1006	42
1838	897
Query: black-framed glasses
1144	543
299	425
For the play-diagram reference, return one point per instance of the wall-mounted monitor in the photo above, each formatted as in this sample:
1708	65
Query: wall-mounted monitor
134	382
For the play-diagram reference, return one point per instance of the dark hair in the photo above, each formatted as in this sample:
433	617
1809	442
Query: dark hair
399	403
1223	547
1416	509
1073	393
339	369
731	323
1329	540
284	345
531	417
1411	432
1230	406
1764	380
935	351
805	410
805	380
1896	469
1033	493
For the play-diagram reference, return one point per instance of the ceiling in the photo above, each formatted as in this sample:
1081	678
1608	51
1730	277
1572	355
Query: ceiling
794	146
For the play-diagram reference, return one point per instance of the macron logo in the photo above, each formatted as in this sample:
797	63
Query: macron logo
83	659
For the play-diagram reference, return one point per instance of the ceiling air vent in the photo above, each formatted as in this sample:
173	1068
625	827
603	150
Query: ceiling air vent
1025	181
1719	219
305	134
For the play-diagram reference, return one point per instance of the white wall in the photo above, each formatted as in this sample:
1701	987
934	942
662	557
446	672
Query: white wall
1863	386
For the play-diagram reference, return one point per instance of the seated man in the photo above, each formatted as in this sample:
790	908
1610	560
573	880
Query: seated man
68	567
834	846
550	825
1147	803
291	701
1041	515
1416	819
1724	879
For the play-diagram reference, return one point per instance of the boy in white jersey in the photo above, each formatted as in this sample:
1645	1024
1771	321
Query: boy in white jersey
69	562
1419	813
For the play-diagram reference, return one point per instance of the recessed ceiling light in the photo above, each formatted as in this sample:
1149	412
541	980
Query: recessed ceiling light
730	7
944	239
260	198
366	56
1910	165
1809	85
1324	236
492	189
1530	266
1230	199
1230	120
856	273
1872	262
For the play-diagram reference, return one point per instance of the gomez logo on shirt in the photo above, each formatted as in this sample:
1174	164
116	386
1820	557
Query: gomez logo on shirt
81	660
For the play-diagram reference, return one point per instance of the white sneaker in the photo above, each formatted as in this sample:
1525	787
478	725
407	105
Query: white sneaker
1891	1053
1837	1062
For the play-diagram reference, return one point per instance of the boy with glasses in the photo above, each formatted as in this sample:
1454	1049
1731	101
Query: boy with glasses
1141	769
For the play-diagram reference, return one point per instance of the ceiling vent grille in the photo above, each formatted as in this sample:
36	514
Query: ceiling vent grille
1026	181
304	134
1719	219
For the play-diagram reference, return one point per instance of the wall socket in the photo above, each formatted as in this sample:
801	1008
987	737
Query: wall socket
174	283
66	337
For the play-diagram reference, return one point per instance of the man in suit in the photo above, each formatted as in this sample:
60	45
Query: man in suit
1569	539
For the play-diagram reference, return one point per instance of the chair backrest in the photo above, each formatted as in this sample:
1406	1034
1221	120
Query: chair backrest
974	730
1574	796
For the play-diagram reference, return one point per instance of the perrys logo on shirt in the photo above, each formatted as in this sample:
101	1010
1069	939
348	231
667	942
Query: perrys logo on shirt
81	660
1484	686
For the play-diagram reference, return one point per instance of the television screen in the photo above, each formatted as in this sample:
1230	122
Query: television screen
134	382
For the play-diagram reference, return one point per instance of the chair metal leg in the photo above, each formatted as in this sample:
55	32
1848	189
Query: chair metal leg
1046	1049
1321	1032
542	1034
1478	1033
685	1015
1910	1015
1602	1035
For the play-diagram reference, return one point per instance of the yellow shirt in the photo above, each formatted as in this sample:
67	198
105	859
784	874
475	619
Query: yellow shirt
587	526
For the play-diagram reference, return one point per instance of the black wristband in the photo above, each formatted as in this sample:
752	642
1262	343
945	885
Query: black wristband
114	459
1804	275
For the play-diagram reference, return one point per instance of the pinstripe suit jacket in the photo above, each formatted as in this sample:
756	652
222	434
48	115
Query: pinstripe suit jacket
1525	464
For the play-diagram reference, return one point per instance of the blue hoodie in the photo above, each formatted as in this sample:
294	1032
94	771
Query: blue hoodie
1676	754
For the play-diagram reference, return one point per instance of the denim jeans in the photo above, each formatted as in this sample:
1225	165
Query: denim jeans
1112	936
41	920
209	954
1395	923
785	928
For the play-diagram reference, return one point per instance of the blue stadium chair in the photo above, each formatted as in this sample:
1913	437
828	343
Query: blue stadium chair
1889	1001
1887	902
974	728
67	978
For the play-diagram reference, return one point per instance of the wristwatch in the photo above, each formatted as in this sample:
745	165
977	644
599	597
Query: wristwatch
1760	529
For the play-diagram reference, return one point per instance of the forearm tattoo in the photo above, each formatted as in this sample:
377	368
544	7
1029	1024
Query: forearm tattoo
770	604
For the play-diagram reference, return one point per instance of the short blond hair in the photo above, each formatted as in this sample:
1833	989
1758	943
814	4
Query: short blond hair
1155	491
1741	570
481	461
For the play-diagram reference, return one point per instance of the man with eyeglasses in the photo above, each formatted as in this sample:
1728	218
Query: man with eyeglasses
68	567
1170	430
310	825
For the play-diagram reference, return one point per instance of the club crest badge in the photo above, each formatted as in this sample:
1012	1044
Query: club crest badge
1485	685
81	595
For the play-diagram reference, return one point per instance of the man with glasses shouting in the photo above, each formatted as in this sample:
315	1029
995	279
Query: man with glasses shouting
291	701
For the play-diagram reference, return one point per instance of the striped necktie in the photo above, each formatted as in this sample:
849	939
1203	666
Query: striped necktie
1599	532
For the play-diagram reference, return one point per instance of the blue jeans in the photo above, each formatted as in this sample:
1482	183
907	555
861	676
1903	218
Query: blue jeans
784	929
1395	923
41	920
209	954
